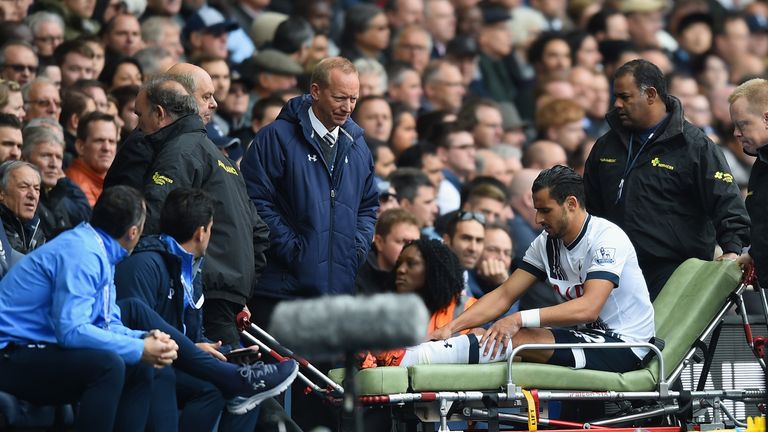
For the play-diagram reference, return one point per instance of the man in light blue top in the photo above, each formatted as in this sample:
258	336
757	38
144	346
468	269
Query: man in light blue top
60	331
62	339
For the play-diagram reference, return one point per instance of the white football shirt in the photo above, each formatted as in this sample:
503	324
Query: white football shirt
601	251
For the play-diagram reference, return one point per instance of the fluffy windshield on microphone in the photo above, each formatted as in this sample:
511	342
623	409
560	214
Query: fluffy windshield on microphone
326	327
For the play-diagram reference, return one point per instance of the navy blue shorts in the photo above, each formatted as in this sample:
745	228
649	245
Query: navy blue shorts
605	359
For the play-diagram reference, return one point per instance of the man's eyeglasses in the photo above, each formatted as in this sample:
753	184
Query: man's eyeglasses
464	216
19	68
43	103
49	39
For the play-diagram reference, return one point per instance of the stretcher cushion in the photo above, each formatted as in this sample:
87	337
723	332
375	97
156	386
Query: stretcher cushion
684	308
376	381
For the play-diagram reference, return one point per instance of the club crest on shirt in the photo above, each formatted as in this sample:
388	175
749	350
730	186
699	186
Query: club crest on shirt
605	255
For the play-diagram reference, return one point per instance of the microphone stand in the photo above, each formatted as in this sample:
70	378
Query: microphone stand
351	414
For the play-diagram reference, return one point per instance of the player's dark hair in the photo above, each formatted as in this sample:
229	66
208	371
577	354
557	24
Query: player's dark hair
562	182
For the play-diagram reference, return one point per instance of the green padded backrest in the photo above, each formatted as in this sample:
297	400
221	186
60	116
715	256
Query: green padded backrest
687	304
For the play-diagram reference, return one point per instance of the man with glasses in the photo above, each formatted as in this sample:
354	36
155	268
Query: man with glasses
47	32
443	87
412	46
18	61
42	99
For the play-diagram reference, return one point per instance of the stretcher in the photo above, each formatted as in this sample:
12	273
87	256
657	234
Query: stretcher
688	312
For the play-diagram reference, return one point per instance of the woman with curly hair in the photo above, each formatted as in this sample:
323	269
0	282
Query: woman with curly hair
429	269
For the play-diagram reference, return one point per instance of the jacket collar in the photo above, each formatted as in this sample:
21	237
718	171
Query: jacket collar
115	252
762	153
10	216
297	111
188	123
189	269
674	126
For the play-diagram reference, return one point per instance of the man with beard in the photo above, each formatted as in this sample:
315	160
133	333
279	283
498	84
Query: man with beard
589	262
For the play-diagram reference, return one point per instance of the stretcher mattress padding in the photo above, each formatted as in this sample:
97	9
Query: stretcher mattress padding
376	381
692	297
528	375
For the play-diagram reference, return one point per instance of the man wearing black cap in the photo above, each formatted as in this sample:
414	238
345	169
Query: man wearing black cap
207	33
495	44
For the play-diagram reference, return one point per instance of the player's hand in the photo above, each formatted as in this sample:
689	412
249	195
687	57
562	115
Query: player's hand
496	338
744	260
442	333
493	270
212	349
730	256
247	312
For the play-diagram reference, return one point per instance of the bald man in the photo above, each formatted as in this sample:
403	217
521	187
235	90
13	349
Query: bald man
202	88
544	154
133	157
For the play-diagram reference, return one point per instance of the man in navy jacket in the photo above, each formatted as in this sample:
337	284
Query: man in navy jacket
311	177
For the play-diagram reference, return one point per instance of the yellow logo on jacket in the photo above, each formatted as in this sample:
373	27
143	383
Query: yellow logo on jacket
607	160
658	163
724	176
160	179
227	168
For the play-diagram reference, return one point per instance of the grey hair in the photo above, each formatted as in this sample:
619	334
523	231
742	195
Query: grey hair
46	122
176	104
152	28
149	58
186	80
26	87
34	136
507	151
36	19
10	166
367	66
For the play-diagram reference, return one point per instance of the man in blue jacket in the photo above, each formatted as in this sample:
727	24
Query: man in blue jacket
311	177
162	273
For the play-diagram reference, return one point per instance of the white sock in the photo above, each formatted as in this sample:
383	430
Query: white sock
463	349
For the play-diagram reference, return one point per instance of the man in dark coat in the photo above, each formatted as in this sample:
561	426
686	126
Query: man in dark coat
749	113
662	180
185	157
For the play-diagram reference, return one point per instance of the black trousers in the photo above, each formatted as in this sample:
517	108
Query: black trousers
219	321
657	273
111	395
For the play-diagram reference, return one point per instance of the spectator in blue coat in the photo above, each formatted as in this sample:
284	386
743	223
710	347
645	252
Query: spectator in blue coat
311	177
